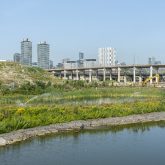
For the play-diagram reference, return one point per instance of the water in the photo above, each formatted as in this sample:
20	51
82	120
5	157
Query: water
135	145
96	101
99	101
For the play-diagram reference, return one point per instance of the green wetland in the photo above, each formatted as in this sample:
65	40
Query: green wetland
68	102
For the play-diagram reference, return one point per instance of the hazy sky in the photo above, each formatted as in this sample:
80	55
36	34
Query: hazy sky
135	28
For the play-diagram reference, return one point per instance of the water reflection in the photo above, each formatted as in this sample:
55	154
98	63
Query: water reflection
130	144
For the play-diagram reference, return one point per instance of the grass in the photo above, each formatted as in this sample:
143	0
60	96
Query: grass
15	74
27	117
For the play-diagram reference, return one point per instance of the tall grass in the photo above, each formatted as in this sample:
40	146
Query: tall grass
14	118
46	108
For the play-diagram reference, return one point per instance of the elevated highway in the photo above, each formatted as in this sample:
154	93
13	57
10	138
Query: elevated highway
134	73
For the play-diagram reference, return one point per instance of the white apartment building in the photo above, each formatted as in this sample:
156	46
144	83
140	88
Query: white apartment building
43	55
26	52
106	56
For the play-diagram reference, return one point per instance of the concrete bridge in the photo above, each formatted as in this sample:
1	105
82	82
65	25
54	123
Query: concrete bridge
124	73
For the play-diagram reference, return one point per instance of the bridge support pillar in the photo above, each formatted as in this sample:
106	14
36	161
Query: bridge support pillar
77	76
71	75
90	75
134	75
157	79
65	75
140	79
110	74
151	70
96	75
104	74
84	78
118	74
125	79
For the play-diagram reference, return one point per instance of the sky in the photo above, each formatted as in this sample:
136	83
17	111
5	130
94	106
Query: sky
135	28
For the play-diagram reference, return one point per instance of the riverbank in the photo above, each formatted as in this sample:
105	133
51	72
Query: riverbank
23	134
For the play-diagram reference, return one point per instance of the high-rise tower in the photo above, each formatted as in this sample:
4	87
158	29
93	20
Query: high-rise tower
43	55
26	52
106	56
17	57
81	60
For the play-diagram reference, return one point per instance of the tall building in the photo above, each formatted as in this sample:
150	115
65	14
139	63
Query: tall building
43	55
69	64
17	57
81	60
89	63
106	56
81	55
26	52
50	64
153	61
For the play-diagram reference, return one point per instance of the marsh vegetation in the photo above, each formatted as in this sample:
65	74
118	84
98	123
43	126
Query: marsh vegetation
45	103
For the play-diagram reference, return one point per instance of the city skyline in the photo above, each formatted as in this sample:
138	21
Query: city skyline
134	29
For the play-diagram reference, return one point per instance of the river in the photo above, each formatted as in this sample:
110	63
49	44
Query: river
134	145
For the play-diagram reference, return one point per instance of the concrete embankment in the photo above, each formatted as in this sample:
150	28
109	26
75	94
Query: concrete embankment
20	135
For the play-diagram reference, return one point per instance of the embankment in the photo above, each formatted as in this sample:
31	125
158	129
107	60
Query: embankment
20	135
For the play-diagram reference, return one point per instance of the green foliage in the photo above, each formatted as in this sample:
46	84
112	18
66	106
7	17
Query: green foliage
4	89
47	108
18	117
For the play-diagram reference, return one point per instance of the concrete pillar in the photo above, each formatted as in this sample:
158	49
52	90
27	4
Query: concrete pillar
65	75
118	74
151	70
104	74
134	75
90	75
72	75
97	75
110	74
157	73
77	76
84	75
156	80
61	75
140	76
140	79
125	79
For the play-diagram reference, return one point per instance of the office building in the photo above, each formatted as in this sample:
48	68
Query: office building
43	55
70	64
26	52
60	65
80	62
17	57
153	61
89	63
106	56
